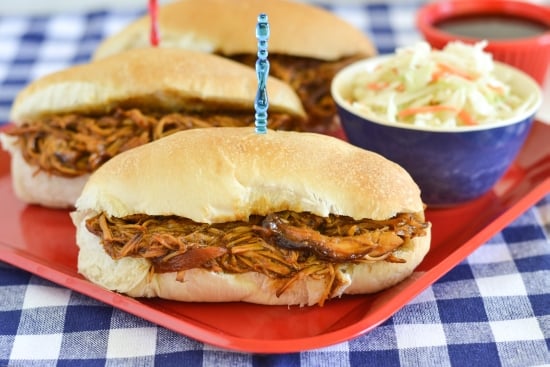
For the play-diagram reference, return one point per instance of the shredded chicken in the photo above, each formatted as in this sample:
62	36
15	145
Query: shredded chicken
176	244
372	244
72	145
311	79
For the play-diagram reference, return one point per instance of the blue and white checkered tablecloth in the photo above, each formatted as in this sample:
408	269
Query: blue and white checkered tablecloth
493	309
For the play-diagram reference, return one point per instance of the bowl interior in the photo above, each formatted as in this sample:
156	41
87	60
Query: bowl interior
512	13
522	84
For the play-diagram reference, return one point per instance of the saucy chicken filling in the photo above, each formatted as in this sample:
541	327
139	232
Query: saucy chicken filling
286	246
310	78
72	145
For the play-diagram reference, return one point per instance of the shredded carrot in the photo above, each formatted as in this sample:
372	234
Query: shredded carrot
463	115
466	118
424	109
377	85
380	85
443	69
498	90
438	74
400	88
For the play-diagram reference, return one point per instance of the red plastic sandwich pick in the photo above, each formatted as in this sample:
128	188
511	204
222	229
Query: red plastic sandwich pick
153	14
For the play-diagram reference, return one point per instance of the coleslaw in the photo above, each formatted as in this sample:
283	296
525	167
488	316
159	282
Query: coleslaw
451	87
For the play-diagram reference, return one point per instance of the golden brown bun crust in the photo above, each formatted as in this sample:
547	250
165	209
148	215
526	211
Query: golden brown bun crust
226	174
161	78
228	28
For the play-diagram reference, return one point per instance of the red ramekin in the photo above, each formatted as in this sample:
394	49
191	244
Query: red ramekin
530	54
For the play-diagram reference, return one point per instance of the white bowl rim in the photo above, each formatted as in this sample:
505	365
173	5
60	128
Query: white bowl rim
360	65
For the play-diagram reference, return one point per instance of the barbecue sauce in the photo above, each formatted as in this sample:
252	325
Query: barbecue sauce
493	27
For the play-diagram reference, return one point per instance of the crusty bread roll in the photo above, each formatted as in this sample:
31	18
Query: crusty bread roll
152	80
227	28
231	174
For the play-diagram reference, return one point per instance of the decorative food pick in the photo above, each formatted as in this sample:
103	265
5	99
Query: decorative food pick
153	14
262	70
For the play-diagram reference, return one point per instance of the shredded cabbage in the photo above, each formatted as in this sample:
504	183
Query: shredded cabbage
452	87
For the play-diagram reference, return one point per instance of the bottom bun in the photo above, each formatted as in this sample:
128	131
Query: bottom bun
39	187
133	277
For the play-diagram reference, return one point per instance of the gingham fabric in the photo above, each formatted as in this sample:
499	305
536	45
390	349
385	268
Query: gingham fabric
493	309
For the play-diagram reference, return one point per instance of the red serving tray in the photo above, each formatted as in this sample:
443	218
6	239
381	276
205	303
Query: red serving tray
42	241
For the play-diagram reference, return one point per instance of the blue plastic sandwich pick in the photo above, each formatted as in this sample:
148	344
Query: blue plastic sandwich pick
262	70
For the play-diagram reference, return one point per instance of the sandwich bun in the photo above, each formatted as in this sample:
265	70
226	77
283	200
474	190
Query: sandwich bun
154	78
307	44
221	26
229	174
167	80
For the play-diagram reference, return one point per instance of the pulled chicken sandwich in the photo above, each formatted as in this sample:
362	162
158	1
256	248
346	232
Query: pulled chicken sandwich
67	124
307	43
224	214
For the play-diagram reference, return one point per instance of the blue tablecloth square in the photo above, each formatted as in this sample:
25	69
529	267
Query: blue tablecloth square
191	358
290	360
460	272
9	323
523	233
13	276
532	264
541	307
82	363
476	354
76	318
461	310
374	358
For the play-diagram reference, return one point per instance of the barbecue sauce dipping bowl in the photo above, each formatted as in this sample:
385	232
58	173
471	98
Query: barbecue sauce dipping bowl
451	165
518	32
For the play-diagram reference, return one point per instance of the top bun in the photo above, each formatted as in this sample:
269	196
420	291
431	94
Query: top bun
154	78
227	174
227	28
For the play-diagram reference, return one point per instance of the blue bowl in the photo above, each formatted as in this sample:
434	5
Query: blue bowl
451	166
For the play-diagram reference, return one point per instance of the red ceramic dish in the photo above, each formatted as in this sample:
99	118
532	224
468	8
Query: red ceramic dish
42	241
530	54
